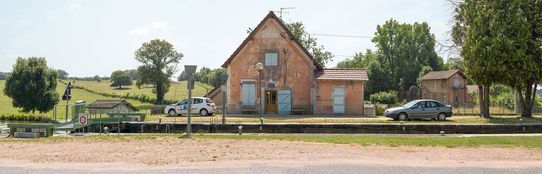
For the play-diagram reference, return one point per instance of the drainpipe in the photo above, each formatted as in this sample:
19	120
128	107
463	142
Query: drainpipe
313	90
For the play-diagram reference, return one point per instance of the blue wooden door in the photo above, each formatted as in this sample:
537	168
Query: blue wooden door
284	102
338	100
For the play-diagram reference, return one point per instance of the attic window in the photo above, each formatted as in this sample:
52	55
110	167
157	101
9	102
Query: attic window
271	59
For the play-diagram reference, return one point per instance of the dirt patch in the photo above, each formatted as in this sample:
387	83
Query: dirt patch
172	151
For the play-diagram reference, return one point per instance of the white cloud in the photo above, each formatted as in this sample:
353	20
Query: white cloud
154	27
74	7
159	25
140	31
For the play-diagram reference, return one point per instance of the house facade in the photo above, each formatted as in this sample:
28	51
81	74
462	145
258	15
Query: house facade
446	86
290	80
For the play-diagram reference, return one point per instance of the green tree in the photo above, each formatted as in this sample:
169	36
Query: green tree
500	42
310	43
455	63
359	60
160	61
183	76
63	75
120	78
97	78
218	77
203	75
389	97
133	74
403	49
32	85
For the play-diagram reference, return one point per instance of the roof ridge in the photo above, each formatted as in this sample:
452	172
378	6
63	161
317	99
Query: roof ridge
271	14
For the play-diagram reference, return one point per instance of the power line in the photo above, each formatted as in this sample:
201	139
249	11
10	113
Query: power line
341	35
352	36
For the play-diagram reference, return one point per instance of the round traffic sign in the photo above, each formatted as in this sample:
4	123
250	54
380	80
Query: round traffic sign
83	120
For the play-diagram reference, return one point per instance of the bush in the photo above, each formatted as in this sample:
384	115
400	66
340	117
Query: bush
384	98
379	110
24	117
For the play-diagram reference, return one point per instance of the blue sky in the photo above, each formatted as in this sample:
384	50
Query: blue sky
88	38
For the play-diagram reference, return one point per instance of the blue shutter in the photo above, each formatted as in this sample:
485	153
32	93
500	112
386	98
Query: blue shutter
248	94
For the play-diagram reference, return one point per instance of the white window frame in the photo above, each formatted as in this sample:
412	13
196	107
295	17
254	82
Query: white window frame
271	63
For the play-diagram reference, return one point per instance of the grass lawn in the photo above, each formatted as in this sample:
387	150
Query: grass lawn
177	91
508	141
77	94
390	140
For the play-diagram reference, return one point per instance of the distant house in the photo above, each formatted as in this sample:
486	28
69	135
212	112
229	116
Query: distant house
106	106
446	86
291	80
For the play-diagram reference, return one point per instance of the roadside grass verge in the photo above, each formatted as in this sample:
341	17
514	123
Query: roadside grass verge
395	141
364	140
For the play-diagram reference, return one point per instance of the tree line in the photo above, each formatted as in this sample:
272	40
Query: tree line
500	42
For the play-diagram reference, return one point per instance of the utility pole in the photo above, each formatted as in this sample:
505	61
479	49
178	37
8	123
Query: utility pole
190	70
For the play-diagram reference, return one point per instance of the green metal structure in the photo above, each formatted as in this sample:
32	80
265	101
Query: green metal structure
31	130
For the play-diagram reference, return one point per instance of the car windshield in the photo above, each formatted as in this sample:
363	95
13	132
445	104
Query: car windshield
410	104
209	101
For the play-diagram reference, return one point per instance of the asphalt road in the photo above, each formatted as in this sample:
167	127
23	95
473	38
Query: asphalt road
335	169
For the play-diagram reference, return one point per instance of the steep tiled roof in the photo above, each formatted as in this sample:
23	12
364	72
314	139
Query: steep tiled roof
269	16
341	74
435	75
109	104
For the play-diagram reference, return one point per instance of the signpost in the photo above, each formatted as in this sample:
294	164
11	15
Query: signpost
83	120
67	96
190	70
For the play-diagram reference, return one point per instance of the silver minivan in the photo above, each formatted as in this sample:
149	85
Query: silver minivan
420	109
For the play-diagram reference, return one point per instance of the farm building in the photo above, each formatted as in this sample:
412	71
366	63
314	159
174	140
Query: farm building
290	79
107	106
446	86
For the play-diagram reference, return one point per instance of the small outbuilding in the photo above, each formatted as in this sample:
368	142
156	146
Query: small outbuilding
107	106
446	86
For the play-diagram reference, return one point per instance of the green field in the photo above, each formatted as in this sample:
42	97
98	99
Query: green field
177	91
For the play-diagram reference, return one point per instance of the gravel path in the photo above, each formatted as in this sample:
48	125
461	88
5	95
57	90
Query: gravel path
171	152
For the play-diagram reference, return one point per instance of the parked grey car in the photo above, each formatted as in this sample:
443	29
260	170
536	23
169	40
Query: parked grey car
420	109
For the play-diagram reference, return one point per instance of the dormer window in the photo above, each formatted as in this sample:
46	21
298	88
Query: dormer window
271	59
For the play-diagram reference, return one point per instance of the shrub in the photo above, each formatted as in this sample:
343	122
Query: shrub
384	98
379	110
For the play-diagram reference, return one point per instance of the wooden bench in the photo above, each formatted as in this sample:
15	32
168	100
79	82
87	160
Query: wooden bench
299	111
248	110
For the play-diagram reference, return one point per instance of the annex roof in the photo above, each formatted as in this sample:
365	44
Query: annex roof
436	75
270	16
341	74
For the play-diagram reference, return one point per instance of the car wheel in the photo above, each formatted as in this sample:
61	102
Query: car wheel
172	112
203	112
402	116
441	117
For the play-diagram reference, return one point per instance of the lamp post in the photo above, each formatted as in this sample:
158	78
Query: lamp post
190	70
259	67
